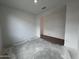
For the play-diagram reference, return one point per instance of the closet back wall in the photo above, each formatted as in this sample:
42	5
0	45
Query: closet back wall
53	23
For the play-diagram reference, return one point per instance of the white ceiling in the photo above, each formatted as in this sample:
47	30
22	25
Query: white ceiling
30	6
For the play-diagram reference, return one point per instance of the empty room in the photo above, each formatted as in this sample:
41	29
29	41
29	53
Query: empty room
39	29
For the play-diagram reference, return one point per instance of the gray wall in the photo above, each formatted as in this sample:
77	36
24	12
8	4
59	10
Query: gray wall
0	34
72	24
17	26
0	41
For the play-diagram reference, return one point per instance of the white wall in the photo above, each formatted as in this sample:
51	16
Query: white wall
17	26
72	24
38	26
72	28
54	22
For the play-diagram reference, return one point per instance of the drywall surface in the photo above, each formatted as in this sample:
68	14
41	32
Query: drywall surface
38	26
72	24
53	22
17	26
0	35
0	41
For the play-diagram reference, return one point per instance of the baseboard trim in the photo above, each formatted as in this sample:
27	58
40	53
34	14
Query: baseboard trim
53	39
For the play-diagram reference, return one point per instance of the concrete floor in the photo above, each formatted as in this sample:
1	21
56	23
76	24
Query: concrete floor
39	49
